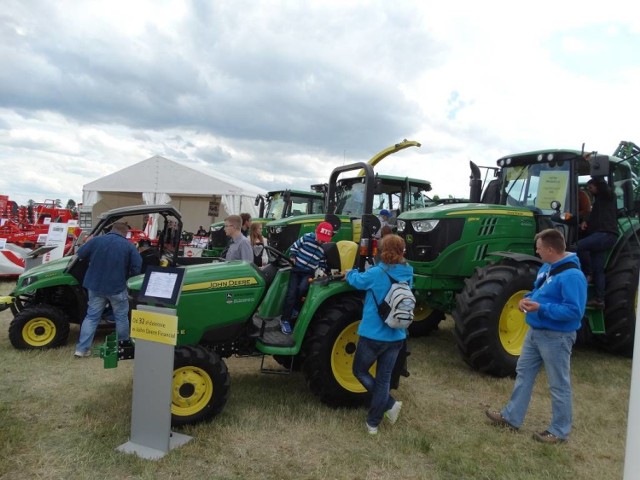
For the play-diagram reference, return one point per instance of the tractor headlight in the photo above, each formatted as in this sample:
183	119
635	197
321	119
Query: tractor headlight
29	280
275	230
423	226
401	225
217	228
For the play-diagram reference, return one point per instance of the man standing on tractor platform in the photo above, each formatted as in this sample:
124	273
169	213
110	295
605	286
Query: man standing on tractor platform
601	228
240	247
554	311
307	256
246	223
112	259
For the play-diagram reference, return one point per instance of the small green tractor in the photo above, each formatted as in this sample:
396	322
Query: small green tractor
276	205
476	260
50	297
233	308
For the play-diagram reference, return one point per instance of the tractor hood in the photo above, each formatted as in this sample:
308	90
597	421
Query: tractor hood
44	273
463	210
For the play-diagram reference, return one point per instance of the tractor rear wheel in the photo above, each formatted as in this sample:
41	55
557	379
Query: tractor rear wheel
329	354
200	386
425	320
489	327
39	327
621	298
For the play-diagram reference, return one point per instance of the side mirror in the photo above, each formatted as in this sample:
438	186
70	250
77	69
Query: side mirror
334	220
555	205
599	165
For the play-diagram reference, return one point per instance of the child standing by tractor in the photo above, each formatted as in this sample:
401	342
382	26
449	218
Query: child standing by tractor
307	256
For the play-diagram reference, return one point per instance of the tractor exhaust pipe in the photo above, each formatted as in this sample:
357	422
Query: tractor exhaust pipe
475	183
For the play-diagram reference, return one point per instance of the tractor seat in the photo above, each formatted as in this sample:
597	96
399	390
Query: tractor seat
341	255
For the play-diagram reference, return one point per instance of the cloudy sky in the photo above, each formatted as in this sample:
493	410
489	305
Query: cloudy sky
278	93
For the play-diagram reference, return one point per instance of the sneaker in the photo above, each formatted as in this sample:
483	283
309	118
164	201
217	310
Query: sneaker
285	327
497	419
371	430
393	412
79	354
548	437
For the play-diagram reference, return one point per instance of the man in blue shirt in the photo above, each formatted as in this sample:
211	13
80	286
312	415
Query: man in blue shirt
112	260
554	311
240	247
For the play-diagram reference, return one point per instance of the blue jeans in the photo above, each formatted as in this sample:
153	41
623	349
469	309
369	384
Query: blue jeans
298	287
385	353
554	350
97	302
592	250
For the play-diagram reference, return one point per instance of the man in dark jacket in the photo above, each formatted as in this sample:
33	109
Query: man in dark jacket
112	260
601	228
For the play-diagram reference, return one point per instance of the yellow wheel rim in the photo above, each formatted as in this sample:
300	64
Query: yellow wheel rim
39	331
192	390
512	326
421	312
342	355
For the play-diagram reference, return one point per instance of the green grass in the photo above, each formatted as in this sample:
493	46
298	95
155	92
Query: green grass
63	418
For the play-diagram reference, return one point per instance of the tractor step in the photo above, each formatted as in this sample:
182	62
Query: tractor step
267	330
275	371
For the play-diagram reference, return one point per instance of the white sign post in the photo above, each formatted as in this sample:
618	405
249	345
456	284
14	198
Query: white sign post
632	455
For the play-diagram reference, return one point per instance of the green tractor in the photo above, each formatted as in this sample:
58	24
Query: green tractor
276	205
50	297
233	308
350	202
476	260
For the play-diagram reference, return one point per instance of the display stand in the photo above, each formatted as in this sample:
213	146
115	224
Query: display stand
155	330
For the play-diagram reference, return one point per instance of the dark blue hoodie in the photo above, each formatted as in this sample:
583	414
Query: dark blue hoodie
375	279
562	297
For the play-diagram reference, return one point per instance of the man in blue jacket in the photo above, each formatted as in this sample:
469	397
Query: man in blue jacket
554	311
112	260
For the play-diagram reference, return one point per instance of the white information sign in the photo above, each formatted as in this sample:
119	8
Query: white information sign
56	237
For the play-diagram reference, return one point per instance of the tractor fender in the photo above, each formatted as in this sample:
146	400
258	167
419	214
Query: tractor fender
626	240
518	257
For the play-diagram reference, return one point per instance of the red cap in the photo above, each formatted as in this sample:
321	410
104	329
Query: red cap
324	232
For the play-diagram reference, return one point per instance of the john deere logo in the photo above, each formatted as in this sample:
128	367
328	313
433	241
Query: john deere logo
409	238
229	298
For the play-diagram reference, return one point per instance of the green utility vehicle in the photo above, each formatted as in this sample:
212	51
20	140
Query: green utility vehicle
48	298
396	194
476	260
276	205
233	308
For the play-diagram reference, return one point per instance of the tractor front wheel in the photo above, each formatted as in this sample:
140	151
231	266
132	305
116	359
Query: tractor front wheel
39	327
425	320
329	354
489	327
200	386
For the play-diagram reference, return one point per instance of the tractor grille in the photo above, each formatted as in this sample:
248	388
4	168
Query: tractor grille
281	238
425	247
488	226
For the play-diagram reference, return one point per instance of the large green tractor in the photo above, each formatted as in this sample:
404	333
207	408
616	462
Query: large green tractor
233	308
50	297
274	206
476	260
350	201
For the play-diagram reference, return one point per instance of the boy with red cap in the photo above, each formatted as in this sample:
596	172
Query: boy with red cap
307	256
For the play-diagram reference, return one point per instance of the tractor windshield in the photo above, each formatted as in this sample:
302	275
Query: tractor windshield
275	207
535	186
351	199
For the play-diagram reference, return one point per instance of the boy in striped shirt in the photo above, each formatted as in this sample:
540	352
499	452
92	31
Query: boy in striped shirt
307	255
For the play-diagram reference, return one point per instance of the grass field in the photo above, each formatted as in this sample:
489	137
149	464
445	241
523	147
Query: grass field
62	418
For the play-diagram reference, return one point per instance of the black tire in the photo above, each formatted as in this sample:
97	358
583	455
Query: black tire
425	320
489	327
200	386
39	327
329	352
621	297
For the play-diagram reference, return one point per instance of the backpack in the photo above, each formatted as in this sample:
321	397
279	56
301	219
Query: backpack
396	310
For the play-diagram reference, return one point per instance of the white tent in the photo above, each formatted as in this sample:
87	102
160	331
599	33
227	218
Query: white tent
159	180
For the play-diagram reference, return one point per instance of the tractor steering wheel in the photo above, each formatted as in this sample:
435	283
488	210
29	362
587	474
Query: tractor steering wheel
277	258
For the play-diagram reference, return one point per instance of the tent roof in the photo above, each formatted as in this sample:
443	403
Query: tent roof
161	175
